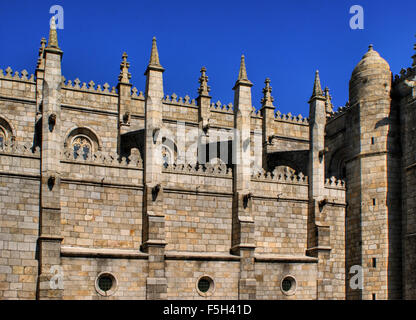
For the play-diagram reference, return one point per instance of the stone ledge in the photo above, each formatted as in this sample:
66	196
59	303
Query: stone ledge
18	99
284	258
188	255
80	252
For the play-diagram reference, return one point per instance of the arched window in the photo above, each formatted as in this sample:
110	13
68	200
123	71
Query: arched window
7	133
82	146
169	152
166	156
82	142
2	137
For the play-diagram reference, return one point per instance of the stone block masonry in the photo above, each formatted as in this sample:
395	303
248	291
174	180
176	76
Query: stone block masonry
114	193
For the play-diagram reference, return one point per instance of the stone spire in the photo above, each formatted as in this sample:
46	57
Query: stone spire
204	88
124	75
154	55
242	74
317	90
53	36
154	63
414	56
267	100
328	101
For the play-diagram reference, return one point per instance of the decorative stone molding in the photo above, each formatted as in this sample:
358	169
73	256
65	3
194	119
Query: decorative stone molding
75	85
101	158
22	76
290	118
173	99
219	107
287	177
10	147
206	170
334	183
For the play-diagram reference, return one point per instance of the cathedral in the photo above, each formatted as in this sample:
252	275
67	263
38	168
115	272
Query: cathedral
115	193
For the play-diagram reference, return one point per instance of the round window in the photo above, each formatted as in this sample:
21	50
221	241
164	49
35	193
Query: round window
288	285
205	286
106	284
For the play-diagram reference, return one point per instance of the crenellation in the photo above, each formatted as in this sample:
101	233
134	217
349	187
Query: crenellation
290	118
22	76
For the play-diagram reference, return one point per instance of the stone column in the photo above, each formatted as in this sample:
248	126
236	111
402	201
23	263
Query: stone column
243	243
49	242
153	215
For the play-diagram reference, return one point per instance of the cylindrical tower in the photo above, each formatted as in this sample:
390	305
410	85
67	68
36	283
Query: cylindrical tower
373	176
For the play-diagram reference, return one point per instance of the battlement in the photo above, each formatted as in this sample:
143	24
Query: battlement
22	76
278	116
109	159
280	177
219	170
76	85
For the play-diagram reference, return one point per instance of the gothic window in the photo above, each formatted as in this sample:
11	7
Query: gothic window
82	142
82	147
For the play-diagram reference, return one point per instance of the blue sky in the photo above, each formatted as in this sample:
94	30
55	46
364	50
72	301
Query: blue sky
284	40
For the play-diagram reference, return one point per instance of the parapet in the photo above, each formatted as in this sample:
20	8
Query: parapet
219	170
76	85
290	118
282	177
22	76
105	159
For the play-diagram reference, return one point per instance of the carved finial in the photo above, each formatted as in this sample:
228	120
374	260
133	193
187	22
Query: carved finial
204	88
328	101
124	75
39	64
317	90
42	46
370	47
267	99
154	56
53	37
242	74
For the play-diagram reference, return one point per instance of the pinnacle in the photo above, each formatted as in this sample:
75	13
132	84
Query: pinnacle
267	100
154	56
53	36
242	75
317	90
203	80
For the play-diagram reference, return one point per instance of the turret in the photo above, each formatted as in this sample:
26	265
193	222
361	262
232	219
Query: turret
373	192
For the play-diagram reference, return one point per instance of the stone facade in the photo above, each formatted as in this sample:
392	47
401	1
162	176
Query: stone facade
158	193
